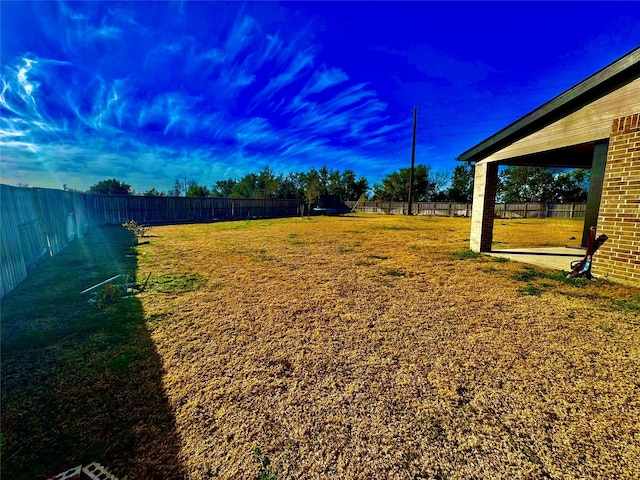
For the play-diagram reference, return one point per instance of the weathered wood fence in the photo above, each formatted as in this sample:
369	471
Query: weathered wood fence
40	222
115	209
36	222
453	209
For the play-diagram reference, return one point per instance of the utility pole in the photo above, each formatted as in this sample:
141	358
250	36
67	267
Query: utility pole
413	158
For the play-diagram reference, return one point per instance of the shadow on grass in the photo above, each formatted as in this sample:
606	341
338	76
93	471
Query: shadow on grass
82	383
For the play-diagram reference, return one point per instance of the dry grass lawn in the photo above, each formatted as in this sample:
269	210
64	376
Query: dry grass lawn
367	346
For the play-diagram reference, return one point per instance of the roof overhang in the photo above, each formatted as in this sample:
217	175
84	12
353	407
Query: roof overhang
614	76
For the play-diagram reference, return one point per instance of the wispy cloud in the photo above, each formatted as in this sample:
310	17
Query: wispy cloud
299	65
159	104
323	79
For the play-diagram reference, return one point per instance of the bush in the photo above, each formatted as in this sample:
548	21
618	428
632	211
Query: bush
134	227
109	296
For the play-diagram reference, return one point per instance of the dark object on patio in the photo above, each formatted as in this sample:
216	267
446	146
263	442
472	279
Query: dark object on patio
582	268
331	205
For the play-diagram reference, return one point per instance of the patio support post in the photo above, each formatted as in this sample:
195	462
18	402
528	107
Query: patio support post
484	202
595	188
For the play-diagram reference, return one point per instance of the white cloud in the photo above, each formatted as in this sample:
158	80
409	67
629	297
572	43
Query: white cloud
299	65
23	79
323	79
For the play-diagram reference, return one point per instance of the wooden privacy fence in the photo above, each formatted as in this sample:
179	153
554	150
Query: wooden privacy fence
540	210
115	209
37	222
444	209
453	209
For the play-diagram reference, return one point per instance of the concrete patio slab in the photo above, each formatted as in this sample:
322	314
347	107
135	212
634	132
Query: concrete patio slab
557	258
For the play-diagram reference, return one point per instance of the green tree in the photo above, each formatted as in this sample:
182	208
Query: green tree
245	187
153	193
345	185
290	186
461	188
223	188
195	190
110	187
323	179
395	186
312	193
519	184
334	184
572	186
311	179
178	189
266	184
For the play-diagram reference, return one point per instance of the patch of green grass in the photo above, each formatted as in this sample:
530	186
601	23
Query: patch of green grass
528	274
126	358
393	272
605	327
631	305
531	290
466	254
174	283
501	259
239	225
265	468
346	249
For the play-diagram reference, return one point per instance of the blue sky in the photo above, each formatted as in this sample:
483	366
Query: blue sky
147	92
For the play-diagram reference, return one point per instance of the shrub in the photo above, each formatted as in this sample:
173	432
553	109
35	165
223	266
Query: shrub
134	227
109	296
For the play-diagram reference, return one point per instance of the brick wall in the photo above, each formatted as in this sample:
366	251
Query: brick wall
484	201
619	215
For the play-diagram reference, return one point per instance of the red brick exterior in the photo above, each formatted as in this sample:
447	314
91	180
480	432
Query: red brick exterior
484	202
619	216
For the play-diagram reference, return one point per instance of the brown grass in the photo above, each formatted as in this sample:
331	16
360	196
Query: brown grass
363	347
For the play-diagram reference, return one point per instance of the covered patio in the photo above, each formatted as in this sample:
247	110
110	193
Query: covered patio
592	125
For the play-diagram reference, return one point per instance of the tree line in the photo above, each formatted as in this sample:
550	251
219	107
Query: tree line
516	184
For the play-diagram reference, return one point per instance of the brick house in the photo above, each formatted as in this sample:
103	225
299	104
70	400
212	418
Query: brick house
596	125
